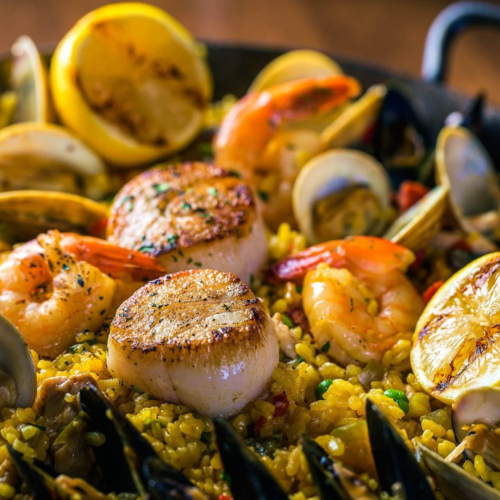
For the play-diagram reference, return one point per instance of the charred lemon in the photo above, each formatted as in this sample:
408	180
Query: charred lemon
131	81
457	338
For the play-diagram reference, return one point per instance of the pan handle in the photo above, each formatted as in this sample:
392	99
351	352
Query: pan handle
449	23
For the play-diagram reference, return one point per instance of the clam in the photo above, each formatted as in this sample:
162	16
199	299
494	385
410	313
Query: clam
25	214
17	369
339	193
356	120
294	65
453	481
464	166
29	82
480	405
44	156
416	227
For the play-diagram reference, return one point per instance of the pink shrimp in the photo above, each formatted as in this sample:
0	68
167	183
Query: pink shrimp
252	139
368	253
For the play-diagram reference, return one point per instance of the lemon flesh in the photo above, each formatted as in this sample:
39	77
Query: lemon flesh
456	345
131	82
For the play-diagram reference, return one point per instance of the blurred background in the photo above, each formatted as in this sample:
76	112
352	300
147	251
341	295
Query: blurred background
388	33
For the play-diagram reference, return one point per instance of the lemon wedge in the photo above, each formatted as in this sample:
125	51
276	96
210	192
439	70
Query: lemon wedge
132	82
48	157
456	345
295	65
29	82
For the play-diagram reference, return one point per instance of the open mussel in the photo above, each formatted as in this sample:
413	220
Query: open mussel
26	214
17	369
126	462
384	123
399	473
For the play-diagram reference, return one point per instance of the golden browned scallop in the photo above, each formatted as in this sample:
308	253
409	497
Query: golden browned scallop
191	215
197	337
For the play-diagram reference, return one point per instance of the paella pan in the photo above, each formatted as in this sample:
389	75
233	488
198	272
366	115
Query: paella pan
237	273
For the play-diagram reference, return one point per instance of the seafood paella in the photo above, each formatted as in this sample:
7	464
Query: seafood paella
291	294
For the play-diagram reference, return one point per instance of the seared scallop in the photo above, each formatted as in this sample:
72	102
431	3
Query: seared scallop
197	337
191	215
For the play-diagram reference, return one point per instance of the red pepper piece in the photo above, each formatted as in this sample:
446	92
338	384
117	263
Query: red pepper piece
429	293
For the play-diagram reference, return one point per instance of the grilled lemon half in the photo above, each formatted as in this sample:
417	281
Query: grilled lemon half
456	345
132	82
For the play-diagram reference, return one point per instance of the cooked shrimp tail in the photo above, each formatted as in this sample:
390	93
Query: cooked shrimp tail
112	259
251	123
109	258
358	251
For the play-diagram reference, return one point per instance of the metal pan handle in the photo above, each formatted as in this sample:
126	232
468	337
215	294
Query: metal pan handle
449	23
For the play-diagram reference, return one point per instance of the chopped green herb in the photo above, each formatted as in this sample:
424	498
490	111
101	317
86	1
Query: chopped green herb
300	359
235	173
41	427
136	389
161	188
185	206
326	347
80	281
399	397
172	239
148	248
298	288
198	264
212	191
65	267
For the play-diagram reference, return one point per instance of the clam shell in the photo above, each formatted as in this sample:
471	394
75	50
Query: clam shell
46	156
350	126
331	172
416	227
25	214
455	482
464	166
480	405
294	65
16	361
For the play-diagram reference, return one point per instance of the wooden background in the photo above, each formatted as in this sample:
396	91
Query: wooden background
390	33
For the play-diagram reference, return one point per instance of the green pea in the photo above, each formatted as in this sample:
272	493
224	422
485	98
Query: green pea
400	398
323	387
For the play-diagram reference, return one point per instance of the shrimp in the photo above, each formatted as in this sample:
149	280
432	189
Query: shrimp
364	304
253	138
58	286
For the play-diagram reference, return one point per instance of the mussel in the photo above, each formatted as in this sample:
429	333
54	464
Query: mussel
340	193
17	368
397	468
464	166
385	124
26	214
127	463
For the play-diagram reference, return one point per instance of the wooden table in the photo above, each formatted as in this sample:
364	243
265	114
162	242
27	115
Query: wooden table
390	33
